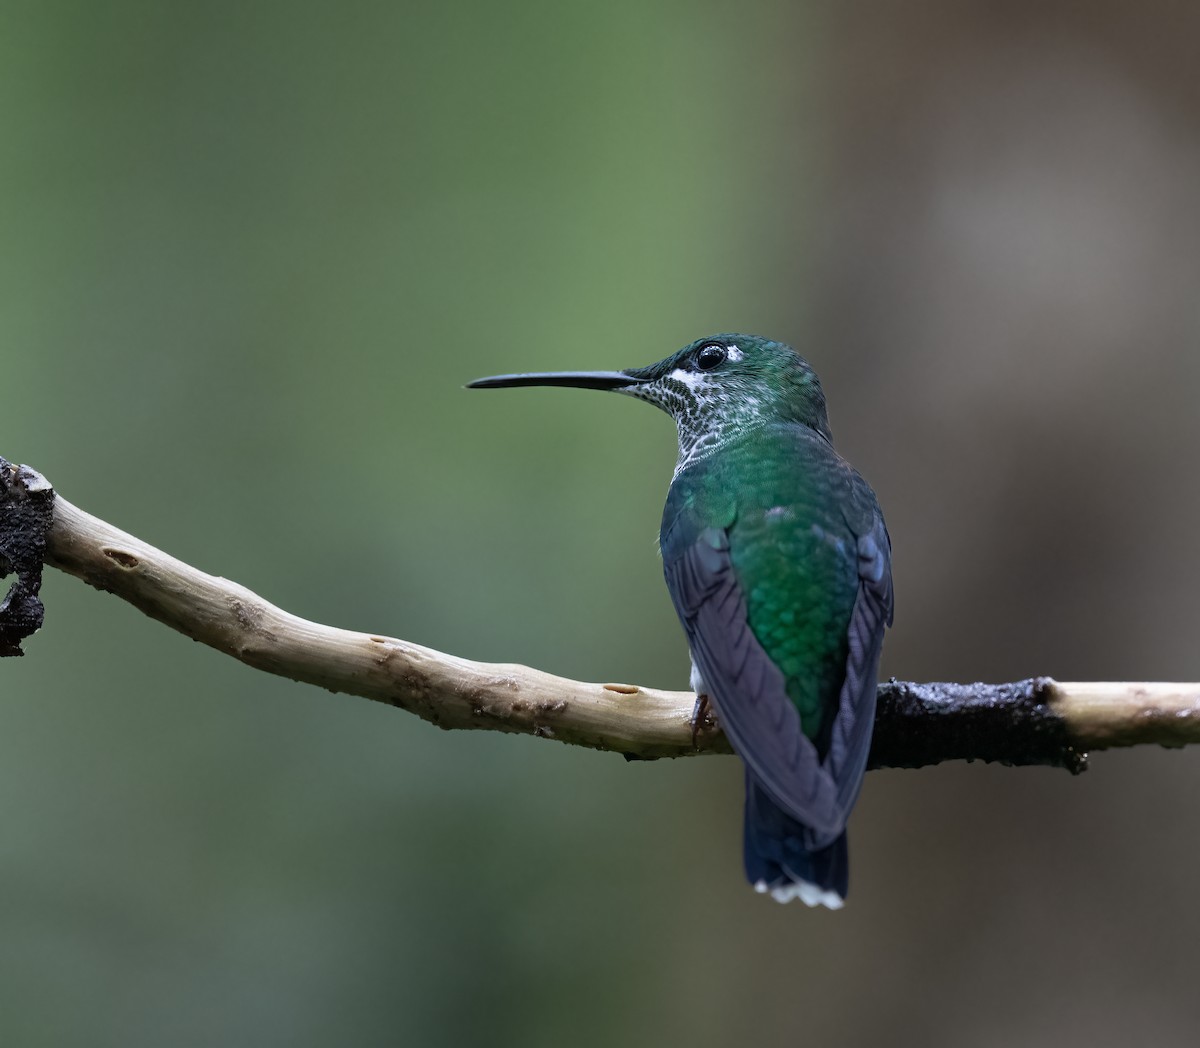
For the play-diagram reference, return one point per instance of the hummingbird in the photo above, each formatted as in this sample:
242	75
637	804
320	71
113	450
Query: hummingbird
778	562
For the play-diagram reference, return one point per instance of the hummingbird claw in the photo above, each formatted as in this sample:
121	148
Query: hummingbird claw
701	719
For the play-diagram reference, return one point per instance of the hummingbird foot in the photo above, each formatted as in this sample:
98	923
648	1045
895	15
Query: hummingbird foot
703	719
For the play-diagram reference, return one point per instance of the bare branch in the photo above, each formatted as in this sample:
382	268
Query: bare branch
1038	721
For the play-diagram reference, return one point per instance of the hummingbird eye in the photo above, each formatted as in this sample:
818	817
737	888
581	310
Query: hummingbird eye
710	356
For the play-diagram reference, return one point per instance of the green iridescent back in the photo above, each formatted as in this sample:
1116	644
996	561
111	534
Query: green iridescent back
789	504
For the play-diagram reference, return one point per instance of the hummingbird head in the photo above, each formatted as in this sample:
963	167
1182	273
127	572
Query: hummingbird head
733	380
714	388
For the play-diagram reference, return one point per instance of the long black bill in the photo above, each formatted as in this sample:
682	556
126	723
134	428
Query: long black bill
582	379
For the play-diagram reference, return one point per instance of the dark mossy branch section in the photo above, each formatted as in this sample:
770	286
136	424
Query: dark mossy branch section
26	510
1018	723
1036	721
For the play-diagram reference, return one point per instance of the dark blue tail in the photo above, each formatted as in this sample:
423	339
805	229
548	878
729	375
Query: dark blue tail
777	860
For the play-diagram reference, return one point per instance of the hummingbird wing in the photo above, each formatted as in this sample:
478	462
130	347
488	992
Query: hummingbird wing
850	740
746	687
813	775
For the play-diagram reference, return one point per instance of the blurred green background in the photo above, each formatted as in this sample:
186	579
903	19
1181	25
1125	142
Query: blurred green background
251	253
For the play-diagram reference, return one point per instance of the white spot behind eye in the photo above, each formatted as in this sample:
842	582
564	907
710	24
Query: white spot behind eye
734	352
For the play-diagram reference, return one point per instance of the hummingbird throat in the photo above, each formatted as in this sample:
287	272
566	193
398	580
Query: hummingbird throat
708	414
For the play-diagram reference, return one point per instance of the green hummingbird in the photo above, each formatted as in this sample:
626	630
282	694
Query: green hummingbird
778	562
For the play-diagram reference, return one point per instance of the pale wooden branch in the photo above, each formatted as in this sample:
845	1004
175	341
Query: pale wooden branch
445	690
1038	721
